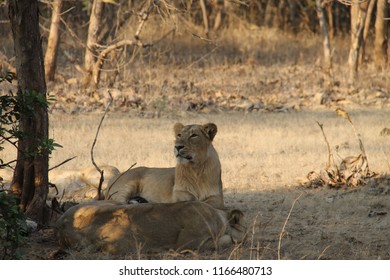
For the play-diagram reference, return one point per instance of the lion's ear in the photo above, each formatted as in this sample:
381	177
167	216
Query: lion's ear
177	128
236	217
211	130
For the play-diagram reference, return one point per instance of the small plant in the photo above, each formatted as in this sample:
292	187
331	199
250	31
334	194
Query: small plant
13	226
12	220
9	117
352	171
11	108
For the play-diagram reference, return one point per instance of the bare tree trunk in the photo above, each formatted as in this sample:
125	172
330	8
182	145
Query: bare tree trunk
326	40
358	18
31	172
282	15
294	16
381	57
329	11
271	14
366	31
205	17
92	40
53	41
219	6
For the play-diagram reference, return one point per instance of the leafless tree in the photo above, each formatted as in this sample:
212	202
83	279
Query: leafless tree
381	39
358	18
92	40
53	41
326	38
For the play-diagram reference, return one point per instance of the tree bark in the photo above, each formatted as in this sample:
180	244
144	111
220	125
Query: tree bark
271	14
218	7
358	18
205	17
92	40
53	41
329	13
326	39
294	16
30	179
362	56
381	57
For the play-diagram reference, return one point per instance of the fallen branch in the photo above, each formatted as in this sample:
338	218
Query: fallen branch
253	235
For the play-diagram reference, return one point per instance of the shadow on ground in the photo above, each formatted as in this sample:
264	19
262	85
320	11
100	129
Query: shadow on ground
288	223
300	223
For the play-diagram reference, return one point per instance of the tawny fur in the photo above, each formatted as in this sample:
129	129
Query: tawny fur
124	228
197	175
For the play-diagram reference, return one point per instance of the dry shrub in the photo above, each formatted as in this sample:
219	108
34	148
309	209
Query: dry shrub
351	171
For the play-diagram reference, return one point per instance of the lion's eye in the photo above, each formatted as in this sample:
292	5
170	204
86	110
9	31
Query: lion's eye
178	135
193	135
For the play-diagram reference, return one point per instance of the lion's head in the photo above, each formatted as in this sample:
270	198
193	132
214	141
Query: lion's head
193	142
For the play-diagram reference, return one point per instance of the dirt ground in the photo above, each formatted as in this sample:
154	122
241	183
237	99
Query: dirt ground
262	177
323	224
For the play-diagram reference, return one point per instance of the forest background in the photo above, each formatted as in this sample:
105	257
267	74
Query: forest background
266	70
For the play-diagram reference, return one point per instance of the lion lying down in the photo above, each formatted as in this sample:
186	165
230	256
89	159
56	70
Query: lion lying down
117	228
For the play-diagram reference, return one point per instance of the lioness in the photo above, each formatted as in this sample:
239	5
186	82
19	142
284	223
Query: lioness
79	184
124	228
197	175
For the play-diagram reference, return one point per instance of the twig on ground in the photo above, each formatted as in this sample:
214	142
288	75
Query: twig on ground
285	223
253	234
323	251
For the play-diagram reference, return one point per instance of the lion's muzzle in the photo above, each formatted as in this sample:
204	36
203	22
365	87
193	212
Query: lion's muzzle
181	155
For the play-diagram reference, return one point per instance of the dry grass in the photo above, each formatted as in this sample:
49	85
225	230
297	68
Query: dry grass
262	155
259	150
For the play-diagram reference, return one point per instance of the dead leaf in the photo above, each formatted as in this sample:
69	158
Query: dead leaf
343	114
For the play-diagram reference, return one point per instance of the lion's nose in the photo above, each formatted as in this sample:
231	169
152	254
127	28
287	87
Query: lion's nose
179	147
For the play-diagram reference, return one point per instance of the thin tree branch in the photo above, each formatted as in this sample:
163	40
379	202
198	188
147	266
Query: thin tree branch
143	17
108	195
62	163
93	146
328	146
